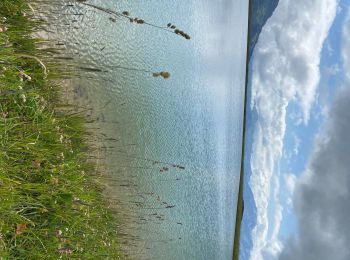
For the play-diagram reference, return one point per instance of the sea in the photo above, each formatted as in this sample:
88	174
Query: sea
170	149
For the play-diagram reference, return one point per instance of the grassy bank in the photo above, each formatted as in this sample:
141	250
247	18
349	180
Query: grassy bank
50	203
240	202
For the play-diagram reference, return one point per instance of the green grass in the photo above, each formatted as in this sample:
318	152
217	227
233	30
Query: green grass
240	201
50	203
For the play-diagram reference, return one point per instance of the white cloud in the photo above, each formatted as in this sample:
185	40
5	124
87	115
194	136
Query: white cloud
329	48
289	180
323	193
274	246
332	70
296	144
346	47
297	118
285	69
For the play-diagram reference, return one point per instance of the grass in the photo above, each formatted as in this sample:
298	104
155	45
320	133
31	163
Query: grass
240	201
51	205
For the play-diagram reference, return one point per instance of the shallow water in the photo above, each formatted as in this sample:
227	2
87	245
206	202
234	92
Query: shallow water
194	119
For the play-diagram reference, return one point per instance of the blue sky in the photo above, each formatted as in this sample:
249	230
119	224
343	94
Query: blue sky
302	136
297	71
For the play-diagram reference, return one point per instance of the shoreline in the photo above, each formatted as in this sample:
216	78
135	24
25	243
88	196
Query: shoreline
240	200
51	199
77	135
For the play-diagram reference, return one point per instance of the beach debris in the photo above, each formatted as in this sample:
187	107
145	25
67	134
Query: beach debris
36	163
20	228
24	76
3	29
58	233
4	114
170	206
23	97
78	201
65	250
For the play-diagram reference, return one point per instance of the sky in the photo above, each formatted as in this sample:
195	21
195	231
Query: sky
301	143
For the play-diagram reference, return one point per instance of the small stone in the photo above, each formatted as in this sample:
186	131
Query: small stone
3	29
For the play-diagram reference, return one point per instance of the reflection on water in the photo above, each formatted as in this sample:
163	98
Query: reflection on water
172	147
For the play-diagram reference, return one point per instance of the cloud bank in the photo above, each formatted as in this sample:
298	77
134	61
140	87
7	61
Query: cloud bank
322	197
285	69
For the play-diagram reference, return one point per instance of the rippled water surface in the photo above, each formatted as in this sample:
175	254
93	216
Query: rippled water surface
194	119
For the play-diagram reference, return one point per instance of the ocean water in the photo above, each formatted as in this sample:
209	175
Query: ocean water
191	123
